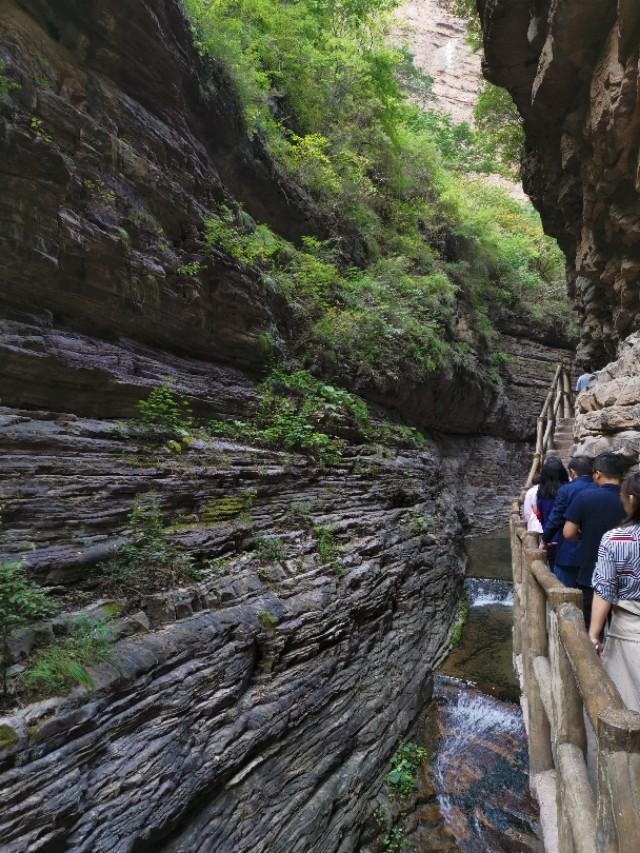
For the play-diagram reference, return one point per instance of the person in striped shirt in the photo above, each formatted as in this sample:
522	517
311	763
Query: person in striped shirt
616	583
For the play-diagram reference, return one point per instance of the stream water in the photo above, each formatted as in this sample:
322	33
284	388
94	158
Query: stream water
474	796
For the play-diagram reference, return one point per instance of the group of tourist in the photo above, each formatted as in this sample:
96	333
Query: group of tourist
589	521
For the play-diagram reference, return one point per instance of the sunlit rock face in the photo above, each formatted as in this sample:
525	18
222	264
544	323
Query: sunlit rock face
437	40
572	69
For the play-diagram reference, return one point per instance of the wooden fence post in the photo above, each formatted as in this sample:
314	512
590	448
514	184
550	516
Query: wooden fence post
569	731
540	755
566	380
618	817
517	528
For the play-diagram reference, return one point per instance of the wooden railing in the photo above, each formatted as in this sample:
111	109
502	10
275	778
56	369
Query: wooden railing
566	692
556	405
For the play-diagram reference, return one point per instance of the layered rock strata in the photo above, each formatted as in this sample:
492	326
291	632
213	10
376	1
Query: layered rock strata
255	709
572	69
261	710
608	413
437	40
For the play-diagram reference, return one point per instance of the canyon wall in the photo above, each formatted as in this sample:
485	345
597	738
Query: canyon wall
255	708
572	69
608	413
437	40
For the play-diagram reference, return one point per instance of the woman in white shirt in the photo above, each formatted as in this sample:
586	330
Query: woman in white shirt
530	517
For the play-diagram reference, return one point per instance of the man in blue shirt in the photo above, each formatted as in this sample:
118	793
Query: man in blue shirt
590	514
583	381
568	554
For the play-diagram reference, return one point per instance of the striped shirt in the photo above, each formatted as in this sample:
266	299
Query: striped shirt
617	573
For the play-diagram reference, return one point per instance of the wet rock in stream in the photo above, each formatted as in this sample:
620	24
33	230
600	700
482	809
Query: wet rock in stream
477	783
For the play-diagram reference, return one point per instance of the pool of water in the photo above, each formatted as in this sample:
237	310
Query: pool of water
474	795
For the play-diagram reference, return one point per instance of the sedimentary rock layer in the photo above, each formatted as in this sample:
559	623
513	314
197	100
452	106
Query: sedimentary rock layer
572	69
608	415
256	709
261	719
437	40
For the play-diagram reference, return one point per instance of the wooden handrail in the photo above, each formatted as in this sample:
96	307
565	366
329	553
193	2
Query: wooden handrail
557	404
564	680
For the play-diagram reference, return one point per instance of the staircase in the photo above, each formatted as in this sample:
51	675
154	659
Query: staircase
554	433
563	439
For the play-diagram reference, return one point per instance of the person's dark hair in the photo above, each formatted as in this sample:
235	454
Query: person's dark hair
612	465
631	489
586	368
582	465
552	476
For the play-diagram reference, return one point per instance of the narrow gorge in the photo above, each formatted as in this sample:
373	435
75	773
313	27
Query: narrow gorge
264	367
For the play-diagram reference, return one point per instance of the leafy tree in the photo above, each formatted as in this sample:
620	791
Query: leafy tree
20	602
468	11
497	117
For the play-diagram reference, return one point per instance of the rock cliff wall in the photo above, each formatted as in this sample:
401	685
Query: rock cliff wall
437	40
257	710
572	69
254	709
608	413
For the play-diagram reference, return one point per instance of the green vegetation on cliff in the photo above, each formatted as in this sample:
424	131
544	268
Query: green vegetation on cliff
419	247
495	114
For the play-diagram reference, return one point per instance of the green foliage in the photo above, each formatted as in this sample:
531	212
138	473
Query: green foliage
322	86
498	121
245	242
21	602
268	620
98	190
165	412
62	665
218	566
328	549
419	522
402	778
37	126
458	625
297	411
7	85
468	11
191	269
270	549
394	841
149	551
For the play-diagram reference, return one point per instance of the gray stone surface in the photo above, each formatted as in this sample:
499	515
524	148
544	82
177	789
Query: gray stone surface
218	733
608	413
572	69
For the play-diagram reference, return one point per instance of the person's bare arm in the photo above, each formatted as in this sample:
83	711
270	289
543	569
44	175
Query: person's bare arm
599	612
571	531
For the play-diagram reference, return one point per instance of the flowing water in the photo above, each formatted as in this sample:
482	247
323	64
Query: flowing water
474	797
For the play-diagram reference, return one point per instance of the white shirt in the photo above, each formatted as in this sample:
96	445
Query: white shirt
531	519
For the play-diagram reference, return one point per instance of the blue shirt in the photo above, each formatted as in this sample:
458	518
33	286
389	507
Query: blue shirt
568	553
583	382
594	511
